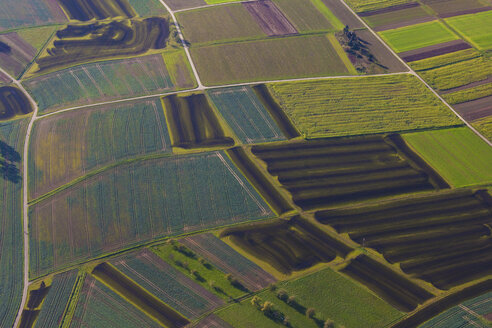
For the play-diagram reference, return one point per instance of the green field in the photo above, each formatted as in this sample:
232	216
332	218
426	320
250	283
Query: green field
364	105
278	58
417	36
179	69
306	17
480	91
484	126
332	296
69	145
443	60
148	7
476	28
366	5
37	36
11	242
138	202
218	23
460	156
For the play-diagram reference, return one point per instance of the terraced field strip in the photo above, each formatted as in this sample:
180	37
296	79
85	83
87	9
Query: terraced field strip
326	172
97	305
378	104
287	245
246	115
129	205
441	238
100	82
229	261
56	302
70	145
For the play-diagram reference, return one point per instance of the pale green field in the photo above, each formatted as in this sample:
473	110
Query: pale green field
476	28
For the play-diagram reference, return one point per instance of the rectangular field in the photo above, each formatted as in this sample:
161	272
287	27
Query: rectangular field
68	146
11	268
417	36
99	82
435	50
369	5
484	125
270	19
449	7
441	60
460	156
326	172
441	238
15	53
475	109
246	115
468	94
396	17
309	15
20	13
146	8
167	284
130	204
477	28
362	105
228	260
279	58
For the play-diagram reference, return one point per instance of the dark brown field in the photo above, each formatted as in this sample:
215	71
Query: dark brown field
475	109
434	50
271	20
84	10
82	43
13	102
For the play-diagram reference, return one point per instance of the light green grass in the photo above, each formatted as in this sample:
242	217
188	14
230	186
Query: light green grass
462	96
278	58
366	5
476	28
332	296
37	36
460	156
364	105
484	126
417	36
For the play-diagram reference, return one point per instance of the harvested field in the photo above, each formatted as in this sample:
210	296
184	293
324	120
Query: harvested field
20	13
15	53
287	245
324	172
78	44
218	24
445	303
193	123
343	14
434	50
53	309
98	82
276	201
484	125
364	105
460	156
184	4
246	115
476	109
70	145
13	102
417	36
146	8
228	260
443	60
167	284
476	28
84	10
11	236
128	205
278	58
309	15
270	19
373	6
442	238
389	285
98	304
448	7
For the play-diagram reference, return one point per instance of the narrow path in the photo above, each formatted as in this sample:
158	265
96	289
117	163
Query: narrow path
415	74
25	207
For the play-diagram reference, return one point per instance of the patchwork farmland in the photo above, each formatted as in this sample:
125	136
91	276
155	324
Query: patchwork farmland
223	163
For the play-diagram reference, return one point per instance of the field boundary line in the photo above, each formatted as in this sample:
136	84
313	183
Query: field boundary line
411	71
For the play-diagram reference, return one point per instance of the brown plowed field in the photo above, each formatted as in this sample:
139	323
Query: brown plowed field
389	9
343	14
271	20
404	23
475	109
13	102
465	12
382	54
434	50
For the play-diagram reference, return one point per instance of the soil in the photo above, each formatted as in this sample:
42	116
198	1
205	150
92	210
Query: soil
434	50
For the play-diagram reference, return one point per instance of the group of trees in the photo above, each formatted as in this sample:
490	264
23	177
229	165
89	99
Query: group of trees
9	159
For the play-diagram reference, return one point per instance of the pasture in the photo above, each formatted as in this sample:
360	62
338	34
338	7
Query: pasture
246	115
461	157
309	15
99	82
128	204
279	58
365	105
23	13
11	261
417	36
68	146
476	28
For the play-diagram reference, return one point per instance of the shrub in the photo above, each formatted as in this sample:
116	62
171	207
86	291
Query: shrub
282	295
310	313
329	324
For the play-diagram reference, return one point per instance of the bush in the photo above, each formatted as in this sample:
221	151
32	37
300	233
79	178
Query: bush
272	287
282	295
184	250
256	301
291	300
329	324
310	313
204	263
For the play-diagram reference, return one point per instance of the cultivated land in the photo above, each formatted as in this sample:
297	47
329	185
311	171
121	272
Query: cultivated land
306	17
368	5
22	13
476	28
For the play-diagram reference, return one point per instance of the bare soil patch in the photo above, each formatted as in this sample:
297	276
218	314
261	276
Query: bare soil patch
475	109
434	50
271	20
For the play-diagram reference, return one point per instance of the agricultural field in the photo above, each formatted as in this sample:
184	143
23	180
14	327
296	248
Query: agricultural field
37	36
362	6
484	125
339	107
460	156
11	269
70	145
148	7
271	20
23	13
280	58
398	18
448	8
468	94
476	28
15	53
435	52
246	115
13	102
85	11
137	207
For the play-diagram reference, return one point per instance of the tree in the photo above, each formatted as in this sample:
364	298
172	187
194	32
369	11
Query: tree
310	313
329	324
282	295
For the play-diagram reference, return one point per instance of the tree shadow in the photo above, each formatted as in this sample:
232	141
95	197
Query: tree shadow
5	48
9	158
